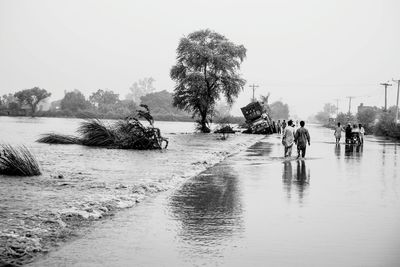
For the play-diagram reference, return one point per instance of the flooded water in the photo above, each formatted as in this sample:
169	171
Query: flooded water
338	207
82	184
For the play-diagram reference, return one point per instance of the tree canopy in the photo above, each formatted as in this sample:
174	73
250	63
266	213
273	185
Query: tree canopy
32	97
140	88
206	68
279	110
74	101
104	99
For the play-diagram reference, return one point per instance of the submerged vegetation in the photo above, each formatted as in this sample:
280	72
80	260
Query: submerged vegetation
53	138
18	161
129	133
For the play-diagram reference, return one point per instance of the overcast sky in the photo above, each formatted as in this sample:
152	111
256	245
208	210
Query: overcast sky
306	53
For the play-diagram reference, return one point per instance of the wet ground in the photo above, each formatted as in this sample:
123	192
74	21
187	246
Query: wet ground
338	207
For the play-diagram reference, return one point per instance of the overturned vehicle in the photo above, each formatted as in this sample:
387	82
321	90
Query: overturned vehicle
258	121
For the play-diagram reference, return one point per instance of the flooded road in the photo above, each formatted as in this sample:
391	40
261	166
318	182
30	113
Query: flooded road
338	207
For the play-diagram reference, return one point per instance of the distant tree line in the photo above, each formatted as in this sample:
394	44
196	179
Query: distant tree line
101	104
374	120
207	70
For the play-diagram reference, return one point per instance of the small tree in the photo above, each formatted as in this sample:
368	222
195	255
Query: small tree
141	88
104	100
279	110
367	118
32	97
207	67
74	101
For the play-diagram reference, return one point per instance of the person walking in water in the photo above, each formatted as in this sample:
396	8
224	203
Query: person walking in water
338	133
348	133
288	139
283	125
301	138
278	126
362	132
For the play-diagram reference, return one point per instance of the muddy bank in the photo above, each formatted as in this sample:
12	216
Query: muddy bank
80	186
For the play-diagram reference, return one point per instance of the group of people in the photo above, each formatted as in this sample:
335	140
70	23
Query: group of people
279	126
349	132
300	136
291	136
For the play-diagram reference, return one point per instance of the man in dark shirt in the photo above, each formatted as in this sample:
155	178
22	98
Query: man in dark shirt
348	133
301	138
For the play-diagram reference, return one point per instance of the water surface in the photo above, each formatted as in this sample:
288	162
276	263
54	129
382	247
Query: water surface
338	207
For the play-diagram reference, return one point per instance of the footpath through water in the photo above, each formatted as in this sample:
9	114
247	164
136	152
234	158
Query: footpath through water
338	207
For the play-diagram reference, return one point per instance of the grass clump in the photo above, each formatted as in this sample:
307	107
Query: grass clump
95	133
53	138
17	161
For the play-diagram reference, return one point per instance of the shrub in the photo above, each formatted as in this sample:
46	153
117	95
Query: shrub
18	161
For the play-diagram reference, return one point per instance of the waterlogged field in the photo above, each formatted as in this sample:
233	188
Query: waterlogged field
81	184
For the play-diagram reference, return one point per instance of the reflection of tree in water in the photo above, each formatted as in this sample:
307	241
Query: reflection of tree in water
301	178
209	208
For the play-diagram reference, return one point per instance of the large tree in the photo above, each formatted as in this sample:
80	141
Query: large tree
32	97
207	67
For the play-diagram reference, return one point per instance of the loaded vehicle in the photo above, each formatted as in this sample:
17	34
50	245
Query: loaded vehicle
353	138
258	120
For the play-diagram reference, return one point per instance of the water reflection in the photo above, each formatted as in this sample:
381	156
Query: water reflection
300	179
260	149
209	208
337	150
353	150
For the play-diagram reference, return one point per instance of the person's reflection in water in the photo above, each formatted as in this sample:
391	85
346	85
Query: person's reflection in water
301	178
287	176
348	150
337	150
353	151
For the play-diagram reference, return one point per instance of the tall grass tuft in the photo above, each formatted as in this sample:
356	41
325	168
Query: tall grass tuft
17	161
53	138
96	133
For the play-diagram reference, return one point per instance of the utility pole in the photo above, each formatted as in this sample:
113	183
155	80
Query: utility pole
386	85
254	86
337	106
350	97
397	100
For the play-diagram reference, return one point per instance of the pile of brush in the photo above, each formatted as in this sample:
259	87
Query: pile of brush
17	161
129	133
